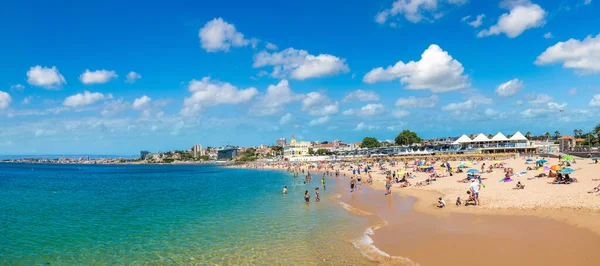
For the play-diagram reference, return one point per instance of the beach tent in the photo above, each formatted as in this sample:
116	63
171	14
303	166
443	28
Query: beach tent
499	137
481	138
518	136
462	139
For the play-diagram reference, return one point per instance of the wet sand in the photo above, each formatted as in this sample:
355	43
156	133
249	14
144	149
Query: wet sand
456	238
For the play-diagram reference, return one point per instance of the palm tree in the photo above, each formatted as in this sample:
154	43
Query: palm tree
528	135
547	135
556	134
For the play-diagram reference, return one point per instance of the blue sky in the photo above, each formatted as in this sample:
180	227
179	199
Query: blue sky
119	76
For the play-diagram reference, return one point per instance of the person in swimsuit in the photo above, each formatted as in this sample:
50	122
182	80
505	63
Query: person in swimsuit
323	183
318	198
284	190
306	197
388	185
352	182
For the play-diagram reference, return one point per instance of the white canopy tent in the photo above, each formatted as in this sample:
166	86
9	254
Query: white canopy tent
518	136
462	139
499	137
481	138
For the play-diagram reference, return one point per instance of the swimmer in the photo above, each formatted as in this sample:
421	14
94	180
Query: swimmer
306	197
318	198
284	190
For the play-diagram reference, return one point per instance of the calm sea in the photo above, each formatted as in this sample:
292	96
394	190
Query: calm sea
169	214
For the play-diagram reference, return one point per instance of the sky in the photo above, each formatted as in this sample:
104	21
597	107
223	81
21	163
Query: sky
117	77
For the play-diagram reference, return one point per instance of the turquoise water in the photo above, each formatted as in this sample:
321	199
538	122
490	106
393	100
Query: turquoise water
168	214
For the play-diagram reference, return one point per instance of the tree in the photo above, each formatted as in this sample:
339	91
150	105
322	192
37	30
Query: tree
369	142
490	136
311	151
322	151
325	142
407	137
556	134
528	135
597	131
547	135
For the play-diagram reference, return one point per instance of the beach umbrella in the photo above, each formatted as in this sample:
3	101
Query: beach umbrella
472	171
556	167
595	158
567	157
542	161
529	160
567	171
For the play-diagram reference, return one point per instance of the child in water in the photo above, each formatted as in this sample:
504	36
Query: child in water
306	197
284	190
318	198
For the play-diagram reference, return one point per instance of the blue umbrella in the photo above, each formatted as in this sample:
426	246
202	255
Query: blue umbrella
541	161
567	171
529	160
595	158
472	171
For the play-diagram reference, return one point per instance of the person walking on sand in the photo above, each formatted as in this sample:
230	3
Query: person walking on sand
317	197
307	197
475	187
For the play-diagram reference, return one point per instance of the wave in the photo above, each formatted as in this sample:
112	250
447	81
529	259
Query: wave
365	244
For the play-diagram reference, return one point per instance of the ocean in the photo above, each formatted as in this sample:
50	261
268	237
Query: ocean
171	214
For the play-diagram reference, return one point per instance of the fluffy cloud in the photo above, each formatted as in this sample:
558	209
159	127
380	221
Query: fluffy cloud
276	97
475	23
97	77
544	110
319	121
362	126
286	119
141	103
583	56
45	77
400	113
538	98
81	99
271	46
510	88
466	105
417	10
132	77
206	93
361	96
595	102
367	110
414	102
523	15
436	71
218	35
300	65
114	107
5	100
318	104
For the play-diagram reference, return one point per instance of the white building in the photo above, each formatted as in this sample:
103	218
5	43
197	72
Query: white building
197	151
296	148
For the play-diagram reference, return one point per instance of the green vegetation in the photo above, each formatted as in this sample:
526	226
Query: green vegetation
322	151
248	155
407	137
369	142
311	151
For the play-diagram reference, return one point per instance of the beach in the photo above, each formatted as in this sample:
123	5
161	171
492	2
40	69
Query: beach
508	225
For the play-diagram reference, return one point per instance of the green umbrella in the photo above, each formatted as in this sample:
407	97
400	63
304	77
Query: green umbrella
567	157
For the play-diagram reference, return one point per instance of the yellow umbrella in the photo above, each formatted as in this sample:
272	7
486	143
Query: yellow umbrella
556	167
497	162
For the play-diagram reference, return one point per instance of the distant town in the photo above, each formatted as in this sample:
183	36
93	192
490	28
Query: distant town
407	143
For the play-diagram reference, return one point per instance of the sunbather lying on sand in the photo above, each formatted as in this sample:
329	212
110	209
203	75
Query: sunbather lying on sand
519	186
595	189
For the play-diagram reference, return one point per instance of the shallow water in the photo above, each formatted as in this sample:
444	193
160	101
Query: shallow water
170	214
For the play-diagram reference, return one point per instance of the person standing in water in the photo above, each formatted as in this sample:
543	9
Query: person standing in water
307	197
317	197
352	183
323	183
284	190
388	185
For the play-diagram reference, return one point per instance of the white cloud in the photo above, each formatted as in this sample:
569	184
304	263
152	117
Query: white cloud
206	93
436	71
141	103
400	113
475	23
538	98
349	112
518	102
413	102
82	99
114	107
300	65
5	100
319	121
27	99
466	105
371	110
523	15
361	96
587	2
548	35
572	91
286	119
97	77
544	110
362	126
45	77
583	56
132	76
218	35
17	87
510	88
417	10
271	46
275	99
595	102
478	98
318	104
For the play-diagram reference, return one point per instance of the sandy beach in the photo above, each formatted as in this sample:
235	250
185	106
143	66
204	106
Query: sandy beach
509	224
